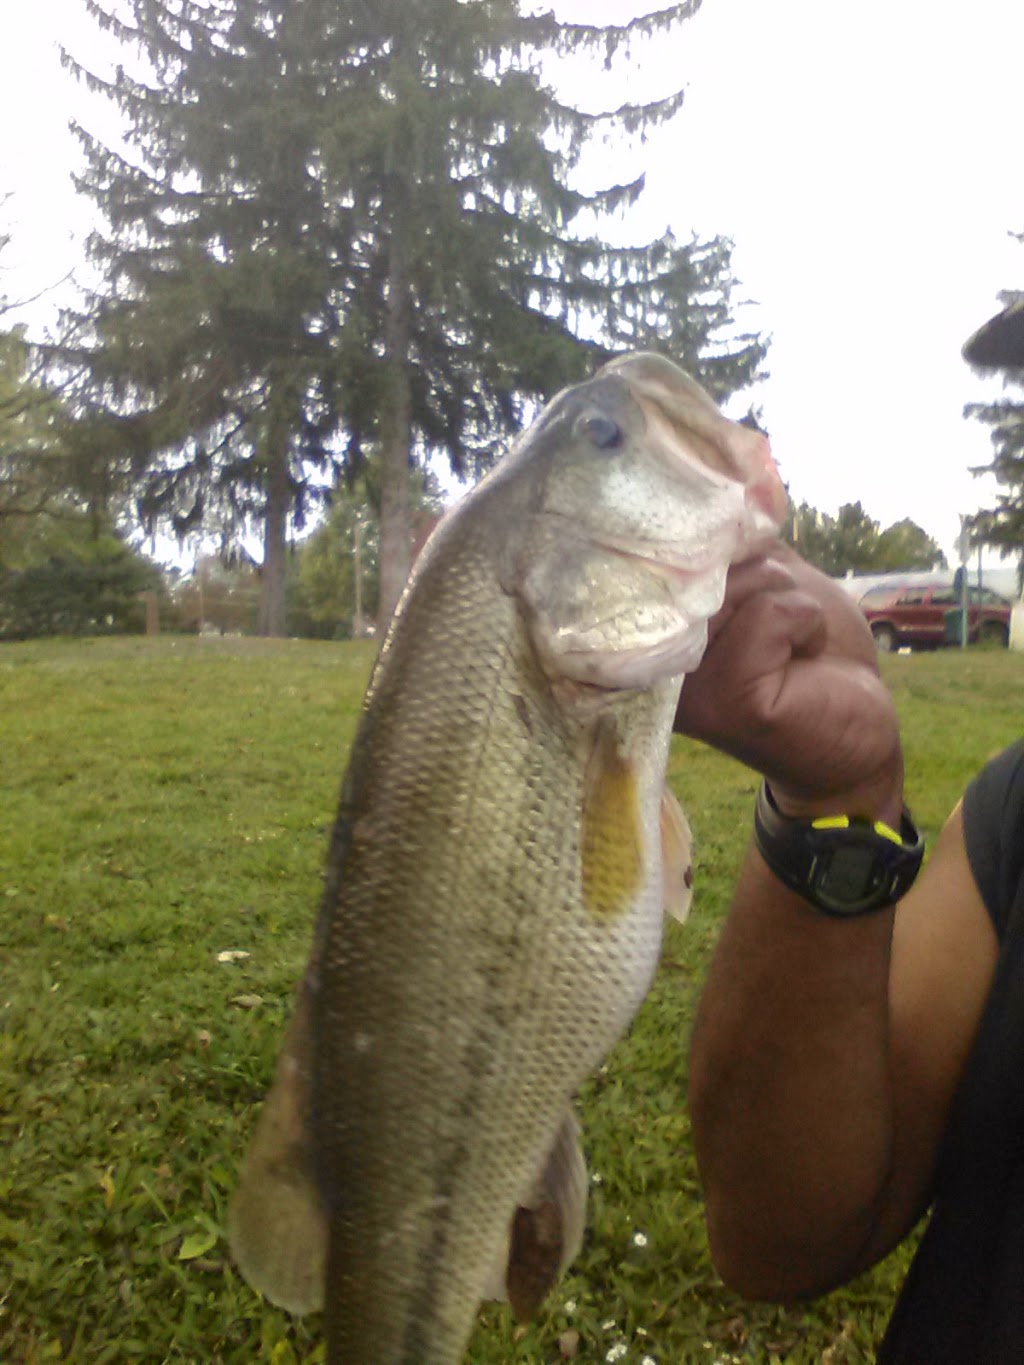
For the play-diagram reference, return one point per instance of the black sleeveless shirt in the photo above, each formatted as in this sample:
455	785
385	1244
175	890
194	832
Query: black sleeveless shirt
963	1300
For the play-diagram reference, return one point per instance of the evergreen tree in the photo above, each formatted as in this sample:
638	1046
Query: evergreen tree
69	577
1002	526
210	373
349	232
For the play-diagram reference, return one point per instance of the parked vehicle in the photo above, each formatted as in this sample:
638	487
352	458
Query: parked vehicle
919	616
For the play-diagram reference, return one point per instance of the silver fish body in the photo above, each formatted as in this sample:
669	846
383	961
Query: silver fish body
495	888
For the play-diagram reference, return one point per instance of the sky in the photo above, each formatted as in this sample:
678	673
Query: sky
864	159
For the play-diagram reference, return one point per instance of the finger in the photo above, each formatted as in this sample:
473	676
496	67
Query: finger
768	629
848	632
747	580
744	663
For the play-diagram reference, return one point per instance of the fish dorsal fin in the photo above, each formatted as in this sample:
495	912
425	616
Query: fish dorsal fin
676	858
277	1226
547	1227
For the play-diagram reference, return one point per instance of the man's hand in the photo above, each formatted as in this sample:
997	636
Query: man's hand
789	685
826	1051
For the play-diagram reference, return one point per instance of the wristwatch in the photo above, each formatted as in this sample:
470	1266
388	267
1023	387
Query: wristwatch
844	865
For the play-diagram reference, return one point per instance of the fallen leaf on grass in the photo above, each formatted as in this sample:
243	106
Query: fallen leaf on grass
569	1344
233	955
197	1244
247	1002
107	1186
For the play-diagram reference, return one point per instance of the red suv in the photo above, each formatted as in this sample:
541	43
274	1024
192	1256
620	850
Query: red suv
916	615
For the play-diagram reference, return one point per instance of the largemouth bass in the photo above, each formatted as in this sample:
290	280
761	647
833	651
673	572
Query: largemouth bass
495	884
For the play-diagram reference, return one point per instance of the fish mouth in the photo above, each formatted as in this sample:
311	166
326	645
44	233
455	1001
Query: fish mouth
676	563
635	669
589	679
688	433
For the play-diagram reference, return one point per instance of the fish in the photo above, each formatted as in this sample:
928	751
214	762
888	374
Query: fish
504	852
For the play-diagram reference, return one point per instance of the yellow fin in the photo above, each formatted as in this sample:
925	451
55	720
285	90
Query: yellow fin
276	1223
611	840
676	858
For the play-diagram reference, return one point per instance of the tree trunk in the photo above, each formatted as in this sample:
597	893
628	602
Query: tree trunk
395	533
272	612
396	435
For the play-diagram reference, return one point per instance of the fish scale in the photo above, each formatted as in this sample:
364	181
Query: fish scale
492	907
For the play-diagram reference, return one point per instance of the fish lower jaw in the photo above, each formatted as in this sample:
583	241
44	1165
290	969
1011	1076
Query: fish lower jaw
664	559
593	678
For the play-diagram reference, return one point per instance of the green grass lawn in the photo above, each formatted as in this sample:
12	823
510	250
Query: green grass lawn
166	801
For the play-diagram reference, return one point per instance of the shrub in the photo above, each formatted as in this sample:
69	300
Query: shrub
85	590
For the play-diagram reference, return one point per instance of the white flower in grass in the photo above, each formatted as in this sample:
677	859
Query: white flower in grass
639	1239
617	1351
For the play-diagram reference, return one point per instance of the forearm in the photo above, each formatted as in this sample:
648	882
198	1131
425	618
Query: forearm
790	1089
821	1070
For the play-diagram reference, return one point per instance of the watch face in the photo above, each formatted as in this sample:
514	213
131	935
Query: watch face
843	865
849	875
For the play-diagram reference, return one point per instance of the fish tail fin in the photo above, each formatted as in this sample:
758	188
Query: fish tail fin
676	858
277	1226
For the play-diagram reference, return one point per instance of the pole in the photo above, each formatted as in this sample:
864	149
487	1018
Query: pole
964	549
964	600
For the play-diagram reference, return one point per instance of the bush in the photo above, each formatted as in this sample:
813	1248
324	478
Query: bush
88	590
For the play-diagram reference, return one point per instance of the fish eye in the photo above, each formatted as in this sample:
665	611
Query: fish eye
601	431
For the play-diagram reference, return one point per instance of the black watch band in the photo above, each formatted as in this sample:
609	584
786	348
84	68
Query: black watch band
841	864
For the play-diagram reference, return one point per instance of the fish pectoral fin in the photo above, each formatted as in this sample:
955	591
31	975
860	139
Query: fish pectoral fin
676	858
547	1226
611	835
277	1226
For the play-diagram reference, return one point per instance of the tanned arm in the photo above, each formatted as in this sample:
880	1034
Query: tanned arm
826	1052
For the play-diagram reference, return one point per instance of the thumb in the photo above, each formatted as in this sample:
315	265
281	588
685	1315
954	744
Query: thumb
745	665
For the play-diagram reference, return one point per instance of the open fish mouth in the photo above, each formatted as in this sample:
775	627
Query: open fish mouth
682	563
632	669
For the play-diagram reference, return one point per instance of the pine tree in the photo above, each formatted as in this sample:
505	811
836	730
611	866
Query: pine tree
1002	526
211	371
349	232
